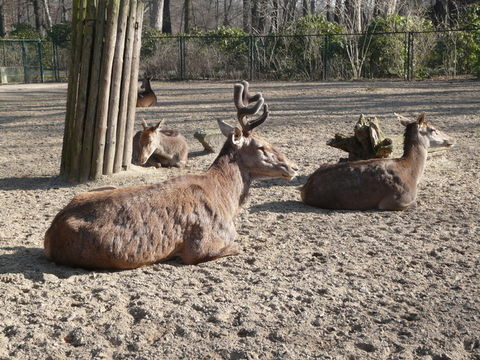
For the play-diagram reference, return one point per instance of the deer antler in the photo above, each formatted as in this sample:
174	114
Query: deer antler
247	98
239	98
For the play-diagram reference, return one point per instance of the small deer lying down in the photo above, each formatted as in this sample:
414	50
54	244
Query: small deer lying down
156	147
146	97
190	216
385	184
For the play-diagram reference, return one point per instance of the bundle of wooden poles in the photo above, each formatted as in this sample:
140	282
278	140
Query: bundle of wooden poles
102	88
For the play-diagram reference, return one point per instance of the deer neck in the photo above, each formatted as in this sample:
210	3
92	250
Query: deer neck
414	157
230	180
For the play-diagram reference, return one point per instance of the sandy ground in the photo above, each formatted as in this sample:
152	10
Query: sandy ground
309	284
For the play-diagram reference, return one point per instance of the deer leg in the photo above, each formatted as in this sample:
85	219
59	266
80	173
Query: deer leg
163	154
108	187
392	204
203	250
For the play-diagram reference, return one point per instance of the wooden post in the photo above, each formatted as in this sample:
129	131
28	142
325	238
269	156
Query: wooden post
132	97
81	110
115	90
73	72
124	92
87	147
102	88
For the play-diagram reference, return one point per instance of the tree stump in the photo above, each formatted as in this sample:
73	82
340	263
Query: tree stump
367	142
211	139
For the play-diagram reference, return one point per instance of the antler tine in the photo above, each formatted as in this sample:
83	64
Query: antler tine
401	117
247	98
242	109
254	123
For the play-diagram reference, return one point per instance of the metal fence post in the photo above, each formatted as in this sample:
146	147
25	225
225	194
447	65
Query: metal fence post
250	57
181	44
326	45
4	54
40	59
26	77
54	62
412	54
409	60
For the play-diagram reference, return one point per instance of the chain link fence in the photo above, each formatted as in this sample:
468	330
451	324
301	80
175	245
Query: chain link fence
31	61
393	55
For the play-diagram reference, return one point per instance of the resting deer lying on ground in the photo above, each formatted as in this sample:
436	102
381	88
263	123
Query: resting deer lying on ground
190	216
385	184
157	147
146	97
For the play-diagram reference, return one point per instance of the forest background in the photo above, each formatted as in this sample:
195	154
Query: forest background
283	39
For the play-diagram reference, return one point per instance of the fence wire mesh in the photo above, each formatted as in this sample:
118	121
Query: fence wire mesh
395	55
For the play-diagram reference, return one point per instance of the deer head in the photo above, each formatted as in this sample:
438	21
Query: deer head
429	135
149	140
254	153
145	81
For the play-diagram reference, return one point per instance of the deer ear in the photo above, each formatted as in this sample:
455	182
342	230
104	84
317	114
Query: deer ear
237	138
225	128
144	124
157	127
421	119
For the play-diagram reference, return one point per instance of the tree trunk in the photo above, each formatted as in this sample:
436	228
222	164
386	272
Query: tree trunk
63	11
275	13
38	16
246	15
2	20
226	11
99	139
87	146
48	18
156	15
113	106
81	102
100	91
187	16
304	7
125	91
132	99
258	16
167	22
72	93
330	11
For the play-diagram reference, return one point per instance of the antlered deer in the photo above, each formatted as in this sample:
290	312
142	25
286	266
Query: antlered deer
190	216
386	184
146	97
154	146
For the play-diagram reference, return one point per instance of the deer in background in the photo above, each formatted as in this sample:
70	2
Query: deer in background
154	146
190	216
146	97
385	184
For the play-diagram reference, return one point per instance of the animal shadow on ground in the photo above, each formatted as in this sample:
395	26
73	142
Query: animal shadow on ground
292	206
194	154
33	265
33	183
285	207
266	183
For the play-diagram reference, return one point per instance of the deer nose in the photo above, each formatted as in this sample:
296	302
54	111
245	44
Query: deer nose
295	168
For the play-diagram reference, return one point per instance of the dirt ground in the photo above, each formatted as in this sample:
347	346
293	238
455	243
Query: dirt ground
309	284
